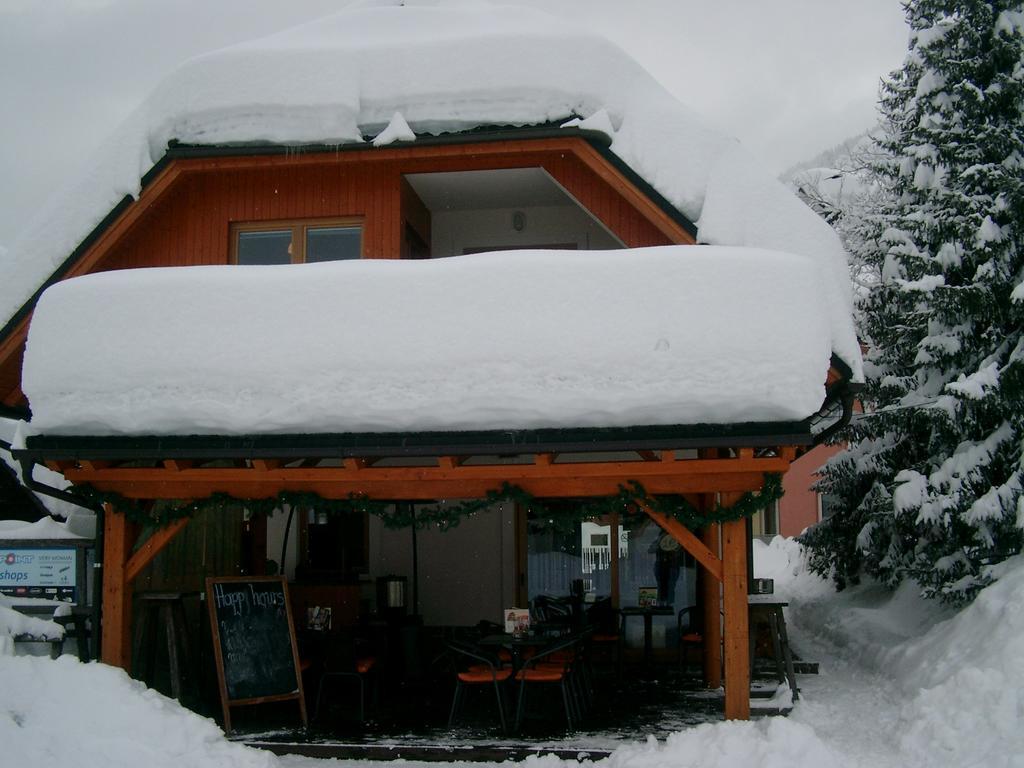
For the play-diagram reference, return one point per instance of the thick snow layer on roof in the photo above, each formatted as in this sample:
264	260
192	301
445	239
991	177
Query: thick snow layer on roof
443	67
518	340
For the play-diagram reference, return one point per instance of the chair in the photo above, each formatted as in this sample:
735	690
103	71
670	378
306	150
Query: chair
344	662
688	632
552	610
474	666
554	663
606	639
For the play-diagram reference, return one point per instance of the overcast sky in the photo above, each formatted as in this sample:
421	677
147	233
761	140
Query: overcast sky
790	78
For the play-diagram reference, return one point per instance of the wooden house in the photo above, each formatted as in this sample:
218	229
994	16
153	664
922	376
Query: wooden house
472	153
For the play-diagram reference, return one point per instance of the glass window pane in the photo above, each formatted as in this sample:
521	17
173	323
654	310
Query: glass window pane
559	553
652	561
333	243
265	247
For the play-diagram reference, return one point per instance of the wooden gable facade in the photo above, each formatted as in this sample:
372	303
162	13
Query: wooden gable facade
184	216
188	204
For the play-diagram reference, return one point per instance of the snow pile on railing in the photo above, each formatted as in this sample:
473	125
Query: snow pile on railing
445	68
14	624
514	340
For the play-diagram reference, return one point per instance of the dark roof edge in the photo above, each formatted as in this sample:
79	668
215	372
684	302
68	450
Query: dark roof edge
386	444
482	135
66	265
14	413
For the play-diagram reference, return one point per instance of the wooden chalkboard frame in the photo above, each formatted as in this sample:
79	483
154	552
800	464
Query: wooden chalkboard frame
226	702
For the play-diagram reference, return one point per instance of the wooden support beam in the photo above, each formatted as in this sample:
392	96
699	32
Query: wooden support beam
668	456
115	643
687	539
544	459
649	455
177	465
265	485
711	602
144	555
613	565
735	604
91	465
585	479
449	462
58	466
265	465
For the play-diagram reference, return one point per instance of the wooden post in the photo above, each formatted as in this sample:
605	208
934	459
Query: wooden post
711	601
613	564
115	645
736	608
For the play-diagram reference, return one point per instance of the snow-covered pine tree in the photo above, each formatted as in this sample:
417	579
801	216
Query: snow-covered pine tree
931	485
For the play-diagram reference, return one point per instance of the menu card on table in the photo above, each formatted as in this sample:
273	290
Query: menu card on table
517	620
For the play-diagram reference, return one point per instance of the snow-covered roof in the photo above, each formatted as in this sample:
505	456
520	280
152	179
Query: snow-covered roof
443	67
512	340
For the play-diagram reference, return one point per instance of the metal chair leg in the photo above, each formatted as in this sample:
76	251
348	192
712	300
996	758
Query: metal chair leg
501	708
566	700
455	702
519	705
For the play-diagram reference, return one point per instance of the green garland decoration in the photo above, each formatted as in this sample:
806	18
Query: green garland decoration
447	515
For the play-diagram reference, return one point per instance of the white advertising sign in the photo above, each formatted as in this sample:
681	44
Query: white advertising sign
33	567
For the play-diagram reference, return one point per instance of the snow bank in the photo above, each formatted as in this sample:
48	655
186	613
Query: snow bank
767	743
964	680
947	694
444	67
956	678
668	335
64	712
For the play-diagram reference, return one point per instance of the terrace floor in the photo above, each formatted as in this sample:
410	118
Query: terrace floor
410	720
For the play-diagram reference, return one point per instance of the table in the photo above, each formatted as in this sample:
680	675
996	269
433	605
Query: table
768	608
648	612
516	643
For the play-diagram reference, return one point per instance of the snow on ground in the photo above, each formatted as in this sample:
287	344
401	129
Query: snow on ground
64	712
325	347
903	684
445	67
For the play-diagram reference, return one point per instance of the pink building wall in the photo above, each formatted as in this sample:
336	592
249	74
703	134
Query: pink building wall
799	507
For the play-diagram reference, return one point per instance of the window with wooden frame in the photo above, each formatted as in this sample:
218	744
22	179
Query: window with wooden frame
297	241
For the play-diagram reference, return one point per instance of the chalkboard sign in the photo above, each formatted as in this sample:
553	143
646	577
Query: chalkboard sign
254	642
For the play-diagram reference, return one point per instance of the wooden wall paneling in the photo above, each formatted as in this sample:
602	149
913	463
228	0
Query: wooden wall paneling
212	245
414	214
158	540
10	378
376	213
394	211
191	235
316	198
182	217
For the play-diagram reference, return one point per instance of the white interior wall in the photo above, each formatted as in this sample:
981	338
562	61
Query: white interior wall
454	231
465	574
275	538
